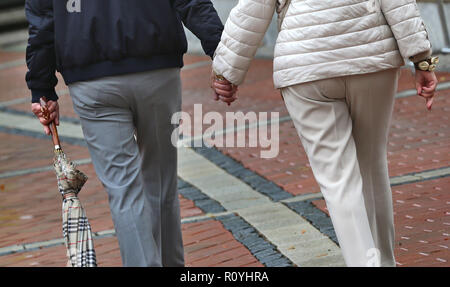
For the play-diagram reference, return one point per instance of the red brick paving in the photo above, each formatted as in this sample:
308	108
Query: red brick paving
188	208
107	251
422	223
22	152
206	243
30	207
6	57
419	140
32	202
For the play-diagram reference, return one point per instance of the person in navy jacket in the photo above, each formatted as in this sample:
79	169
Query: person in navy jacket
121	61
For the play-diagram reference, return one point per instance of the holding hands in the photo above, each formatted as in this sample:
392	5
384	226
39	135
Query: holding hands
223	89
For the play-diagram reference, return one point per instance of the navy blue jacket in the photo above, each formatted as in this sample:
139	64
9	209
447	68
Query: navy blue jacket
88	39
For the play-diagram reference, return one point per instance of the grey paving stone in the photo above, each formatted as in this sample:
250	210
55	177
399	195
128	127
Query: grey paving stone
279	263
11	249
270	258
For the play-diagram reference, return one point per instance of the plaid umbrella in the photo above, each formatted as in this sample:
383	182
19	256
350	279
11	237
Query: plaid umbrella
76	228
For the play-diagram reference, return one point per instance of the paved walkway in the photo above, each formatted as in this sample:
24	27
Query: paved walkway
237	209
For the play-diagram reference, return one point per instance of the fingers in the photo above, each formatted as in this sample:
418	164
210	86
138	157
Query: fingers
428	94
46	122
52	106
429	103
228	100
222	86
47	114
426	83
418	88
36	109
223	90
429	97
429	90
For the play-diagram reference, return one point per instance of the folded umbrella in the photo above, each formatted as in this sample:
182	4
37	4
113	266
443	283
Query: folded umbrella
76	228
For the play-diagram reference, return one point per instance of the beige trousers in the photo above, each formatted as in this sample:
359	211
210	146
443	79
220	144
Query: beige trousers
343	124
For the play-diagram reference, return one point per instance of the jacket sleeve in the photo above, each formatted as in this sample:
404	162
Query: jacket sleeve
242	36
200	17
40	53
407	26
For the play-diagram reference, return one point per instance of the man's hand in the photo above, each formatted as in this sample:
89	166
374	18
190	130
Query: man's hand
223	90
426	83
52	114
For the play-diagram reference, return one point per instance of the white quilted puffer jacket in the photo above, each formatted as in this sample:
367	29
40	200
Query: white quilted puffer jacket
322	39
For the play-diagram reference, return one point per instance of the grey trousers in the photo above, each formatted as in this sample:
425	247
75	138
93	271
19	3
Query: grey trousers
140	176
343	124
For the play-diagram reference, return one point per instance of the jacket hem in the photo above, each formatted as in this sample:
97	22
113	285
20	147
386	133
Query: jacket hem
125	66
323	77
394	61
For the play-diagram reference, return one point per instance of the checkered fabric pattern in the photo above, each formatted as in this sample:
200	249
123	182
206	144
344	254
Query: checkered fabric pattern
76	228
77	234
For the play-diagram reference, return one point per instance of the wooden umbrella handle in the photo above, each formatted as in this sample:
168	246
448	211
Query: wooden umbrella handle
52	125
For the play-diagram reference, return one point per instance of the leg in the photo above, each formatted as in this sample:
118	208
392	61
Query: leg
107	122
158	94
322	119
371	101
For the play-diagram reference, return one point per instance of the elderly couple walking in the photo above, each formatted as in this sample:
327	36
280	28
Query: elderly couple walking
335	62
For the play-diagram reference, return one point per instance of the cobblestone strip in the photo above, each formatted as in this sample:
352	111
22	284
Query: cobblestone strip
12	64
48	243
315	216
31	124
9	39
42	135
293	236
201	200
246	234
420	176
263	250
231	166
14	102
39	169
29	115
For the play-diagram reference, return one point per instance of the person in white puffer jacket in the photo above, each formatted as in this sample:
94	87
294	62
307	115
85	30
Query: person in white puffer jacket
336	63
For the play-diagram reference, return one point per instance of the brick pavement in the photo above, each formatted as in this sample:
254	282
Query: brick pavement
419	140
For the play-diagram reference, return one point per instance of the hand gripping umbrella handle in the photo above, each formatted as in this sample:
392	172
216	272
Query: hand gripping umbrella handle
52	125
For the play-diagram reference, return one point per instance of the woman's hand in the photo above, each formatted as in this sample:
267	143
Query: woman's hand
46	117
426	83
223	90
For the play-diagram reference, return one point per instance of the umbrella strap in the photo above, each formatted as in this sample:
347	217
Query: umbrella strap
68	195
